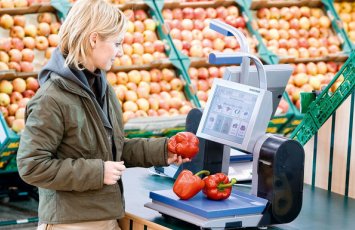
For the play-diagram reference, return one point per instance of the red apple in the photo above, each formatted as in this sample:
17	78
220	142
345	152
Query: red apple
20	113
44	17
111	78
26	66
222	12
53	40
41	43
187	24
5	44
19	85
32	84
176	84
6	21
140	15
15	55
10	120
15	66
20	3
28	93
28	55
12	108
138	37
4	99
30	30
18	125
188	13
156	75
17	43
19	20
202	85
3	66
17	32
43	29
15	97
49	51
55	26
200	13
4	57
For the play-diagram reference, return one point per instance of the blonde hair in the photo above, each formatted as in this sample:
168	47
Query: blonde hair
84	18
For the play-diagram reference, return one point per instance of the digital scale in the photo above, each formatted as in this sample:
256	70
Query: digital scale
236	117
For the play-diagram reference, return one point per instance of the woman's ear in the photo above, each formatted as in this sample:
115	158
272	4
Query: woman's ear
93	39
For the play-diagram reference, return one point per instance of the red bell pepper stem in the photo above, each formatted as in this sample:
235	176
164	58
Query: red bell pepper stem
202	172
222	186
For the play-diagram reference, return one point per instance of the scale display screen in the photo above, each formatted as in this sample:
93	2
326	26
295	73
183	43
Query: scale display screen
229	114
235	114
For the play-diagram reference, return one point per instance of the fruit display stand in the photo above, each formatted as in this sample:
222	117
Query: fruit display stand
308	77
187	25
199	73
162	75
297	31
327	133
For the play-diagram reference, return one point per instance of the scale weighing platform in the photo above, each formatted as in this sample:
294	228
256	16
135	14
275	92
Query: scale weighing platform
236	116
208	213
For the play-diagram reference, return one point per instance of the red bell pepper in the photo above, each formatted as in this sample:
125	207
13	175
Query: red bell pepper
217	186
184	144
188	185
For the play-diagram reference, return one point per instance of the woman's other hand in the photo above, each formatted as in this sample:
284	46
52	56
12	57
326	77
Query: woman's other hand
113	171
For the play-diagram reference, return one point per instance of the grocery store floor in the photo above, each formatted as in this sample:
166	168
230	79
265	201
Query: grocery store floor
16	210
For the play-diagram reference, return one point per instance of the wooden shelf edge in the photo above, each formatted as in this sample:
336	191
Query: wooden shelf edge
204	4
340	57
35	8
155	64
11	74
257	4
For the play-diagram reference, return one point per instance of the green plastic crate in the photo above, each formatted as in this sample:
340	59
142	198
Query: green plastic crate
62	7
9	142
327	102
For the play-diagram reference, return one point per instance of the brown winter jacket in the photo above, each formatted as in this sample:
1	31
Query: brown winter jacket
62	151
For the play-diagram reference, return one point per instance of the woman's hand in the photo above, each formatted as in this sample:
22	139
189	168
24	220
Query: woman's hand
113	171
176	159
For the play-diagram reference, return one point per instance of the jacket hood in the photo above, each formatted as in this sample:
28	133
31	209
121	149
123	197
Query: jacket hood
57	65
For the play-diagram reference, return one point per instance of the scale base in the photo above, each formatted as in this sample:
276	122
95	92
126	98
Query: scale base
240	221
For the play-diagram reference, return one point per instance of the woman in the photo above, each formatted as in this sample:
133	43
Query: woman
73	147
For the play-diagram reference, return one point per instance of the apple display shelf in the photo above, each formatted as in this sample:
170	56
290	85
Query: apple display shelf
236	116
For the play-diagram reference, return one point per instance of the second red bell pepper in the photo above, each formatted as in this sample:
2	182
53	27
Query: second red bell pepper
184	144
218	187
188	185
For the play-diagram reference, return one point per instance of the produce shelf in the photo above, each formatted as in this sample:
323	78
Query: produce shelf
180	47
268	52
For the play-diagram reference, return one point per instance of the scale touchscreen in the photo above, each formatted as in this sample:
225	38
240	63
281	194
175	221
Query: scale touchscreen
229	114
